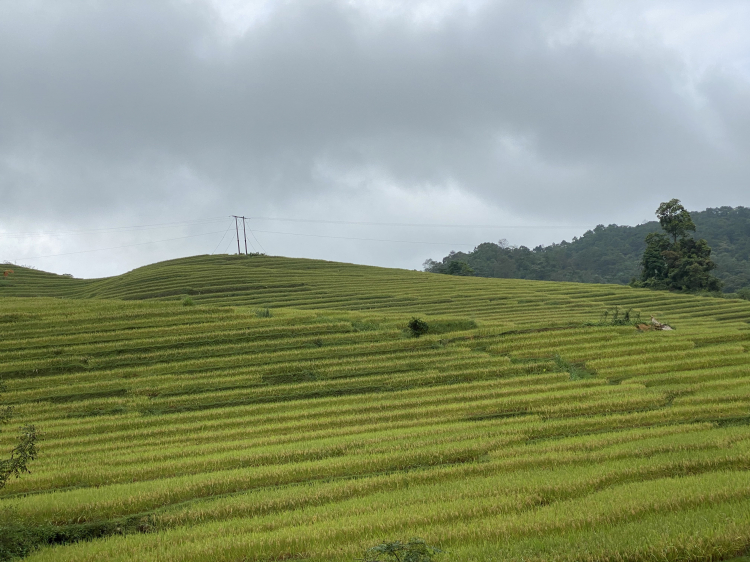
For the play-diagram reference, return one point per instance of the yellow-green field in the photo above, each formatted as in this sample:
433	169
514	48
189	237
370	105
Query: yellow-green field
519	427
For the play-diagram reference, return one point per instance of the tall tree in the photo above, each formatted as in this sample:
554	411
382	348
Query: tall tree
675	219
653	261
682	264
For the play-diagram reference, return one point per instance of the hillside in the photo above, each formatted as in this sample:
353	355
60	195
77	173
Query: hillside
611	254
290	415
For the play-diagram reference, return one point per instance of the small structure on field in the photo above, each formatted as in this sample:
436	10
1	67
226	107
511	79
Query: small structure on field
654	325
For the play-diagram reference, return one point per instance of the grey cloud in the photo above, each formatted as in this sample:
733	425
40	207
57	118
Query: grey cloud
133	108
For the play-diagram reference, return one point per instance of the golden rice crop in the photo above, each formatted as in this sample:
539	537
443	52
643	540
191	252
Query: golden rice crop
521	427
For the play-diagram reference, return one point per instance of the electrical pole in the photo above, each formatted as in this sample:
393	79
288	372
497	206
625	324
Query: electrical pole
237	230
244	232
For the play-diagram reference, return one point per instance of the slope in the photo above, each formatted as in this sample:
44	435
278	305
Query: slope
521	426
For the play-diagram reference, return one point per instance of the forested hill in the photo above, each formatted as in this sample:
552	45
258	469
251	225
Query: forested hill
609	254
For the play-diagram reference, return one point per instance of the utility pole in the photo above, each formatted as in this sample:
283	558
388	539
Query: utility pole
237	230
244	232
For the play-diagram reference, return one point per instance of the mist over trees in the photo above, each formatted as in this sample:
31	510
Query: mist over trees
611	254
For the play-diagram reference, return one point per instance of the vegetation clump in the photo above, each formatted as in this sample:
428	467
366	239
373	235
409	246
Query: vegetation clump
614	317
418	327
415	550
187	301
263	312
449	266
18	539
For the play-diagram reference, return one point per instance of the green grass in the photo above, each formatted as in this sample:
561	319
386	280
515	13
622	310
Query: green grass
289	413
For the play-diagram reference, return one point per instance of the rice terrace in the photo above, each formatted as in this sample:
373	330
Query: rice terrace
228	408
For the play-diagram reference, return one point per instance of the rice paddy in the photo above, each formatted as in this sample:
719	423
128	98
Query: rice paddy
286	412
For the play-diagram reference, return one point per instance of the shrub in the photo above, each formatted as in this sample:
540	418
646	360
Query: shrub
187	301
263	313
614	317
418	327
416	550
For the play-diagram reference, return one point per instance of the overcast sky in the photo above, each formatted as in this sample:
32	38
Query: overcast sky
532	120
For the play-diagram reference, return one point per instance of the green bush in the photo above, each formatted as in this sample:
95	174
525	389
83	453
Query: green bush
615	317
418	327
263	313
18	539
416	550
187	301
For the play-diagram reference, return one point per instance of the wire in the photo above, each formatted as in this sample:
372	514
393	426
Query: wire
365	239
226	250
256	239
422	225
211	220
117	247
222	239
251	244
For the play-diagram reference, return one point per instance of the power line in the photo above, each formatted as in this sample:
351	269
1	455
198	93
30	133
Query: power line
211	220
256	241
366	239
226	250
255	237
222	238
244	233
420	225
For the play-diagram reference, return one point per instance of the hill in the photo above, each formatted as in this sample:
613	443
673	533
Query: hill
289	414
611	254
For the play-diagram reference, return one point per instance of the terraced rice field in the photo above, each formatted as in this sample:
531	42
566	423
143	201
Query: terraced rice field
518	428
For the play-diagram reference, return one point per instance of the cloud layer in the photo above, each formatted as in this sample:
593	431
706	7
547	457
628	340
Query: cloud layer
507	113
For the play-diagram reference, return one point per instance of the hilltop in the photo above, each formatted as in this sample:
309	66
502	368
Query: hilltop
223	408
612	254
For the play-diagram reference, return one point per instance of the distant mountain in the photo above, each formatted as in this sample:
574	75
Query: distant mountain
609	254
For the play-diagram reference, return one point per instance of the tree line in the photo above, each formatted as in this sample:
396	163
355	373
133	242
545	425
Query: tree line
617	254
